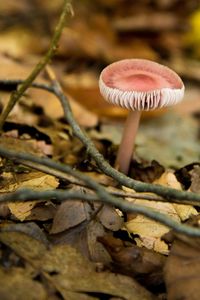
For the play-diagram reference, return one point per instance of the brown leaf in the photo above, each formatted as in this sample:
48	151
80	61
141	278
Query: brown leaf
11	69
146	172
110	218
72	213
69	214
17	285
195	179
97	251
68	265
131	260
74	225
42	212
54	109
182	270
62	264
27	240
76	237
87	280
19	145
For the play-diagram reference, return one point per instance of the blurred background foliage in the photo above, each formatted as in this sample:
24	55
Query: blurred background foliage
101	32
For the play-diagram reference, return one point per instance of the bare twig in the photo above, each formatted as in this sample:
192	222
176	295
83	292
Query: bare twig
125	206
15	96
106	168
169	194
74	180
102	194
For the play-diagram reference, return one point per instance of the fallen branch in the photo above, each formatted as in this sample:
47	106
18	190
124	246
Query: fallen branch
101	193
169	194
104	197
111	190
106	168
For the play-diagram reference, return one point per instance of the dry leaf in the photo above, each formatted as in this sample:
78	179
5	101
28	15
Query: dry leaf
149	231
11	69
138	262
54	109
17	285
97	251
61	264
43	212
182	270
87	280
34	180
110	218
12	46
183	211
195	179
21	210
69	214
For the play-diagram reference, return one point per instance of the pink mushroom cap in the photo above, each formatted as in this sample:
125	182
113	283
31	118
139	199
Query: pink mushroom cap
140	84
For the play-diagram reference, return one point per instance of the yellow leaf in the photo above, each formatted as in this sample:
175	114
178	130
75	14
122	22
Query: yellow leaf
34	180
150	231
183	211
21	210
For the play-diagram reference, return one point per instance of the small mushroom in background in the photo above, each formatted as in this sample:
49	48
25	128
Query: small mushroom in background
138	85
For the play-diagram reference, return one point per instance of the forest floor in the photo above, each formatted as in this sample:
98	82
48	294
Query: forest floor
72	227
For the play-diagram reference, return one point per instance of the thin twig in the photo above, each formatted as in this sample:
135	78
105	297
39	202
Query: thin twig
123	205
106	168
74	180
169	194
51	171
102	194
29	195
16	95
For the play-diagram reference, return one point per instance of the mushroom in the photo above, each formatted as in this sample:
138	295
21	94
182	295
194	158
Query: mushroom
138	85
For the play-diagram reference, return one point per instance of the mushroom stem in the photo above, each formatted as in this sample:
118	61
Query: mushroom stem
127	143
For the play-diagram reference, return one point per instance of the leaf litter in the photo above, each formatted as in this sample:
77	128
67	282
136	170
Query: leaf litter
79	250
61	264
